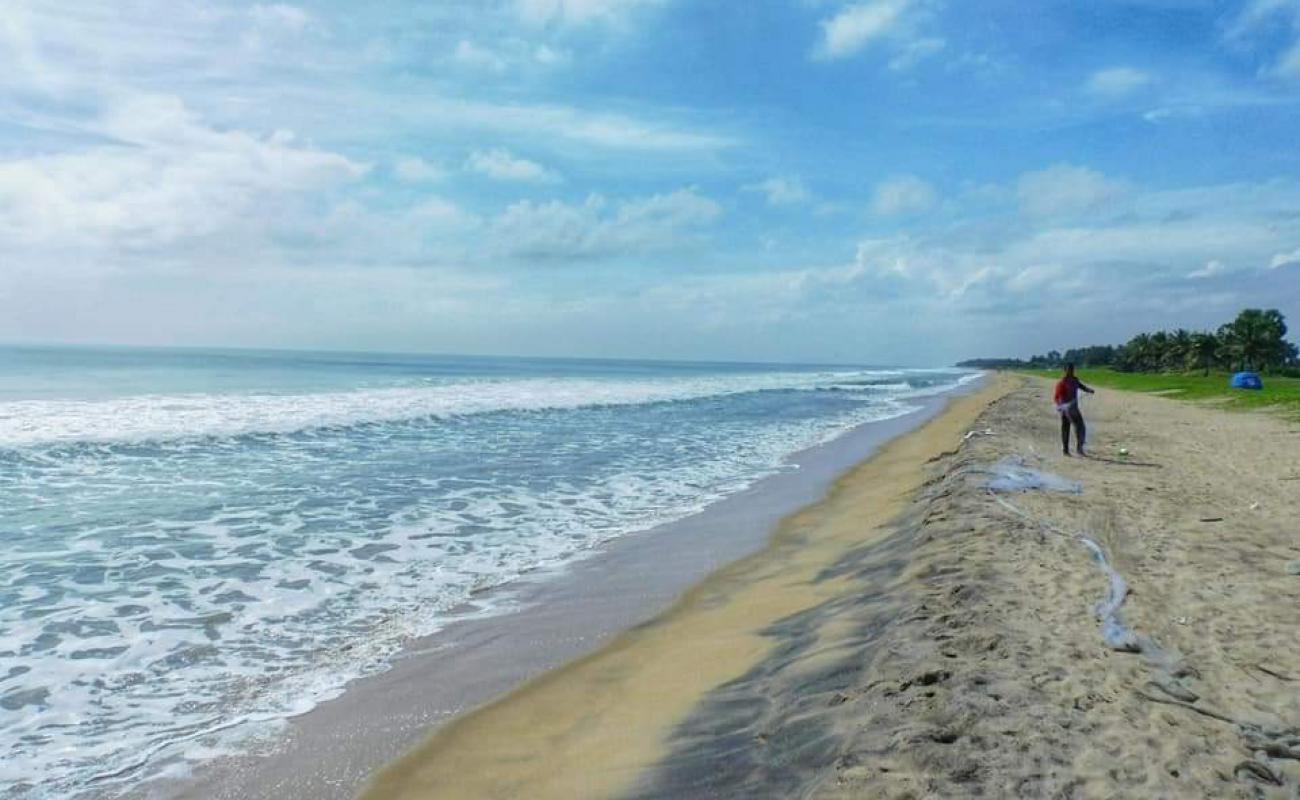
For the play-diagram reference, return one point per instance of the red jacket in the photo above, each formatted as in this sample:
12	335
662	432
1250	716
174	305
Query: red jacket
1067	390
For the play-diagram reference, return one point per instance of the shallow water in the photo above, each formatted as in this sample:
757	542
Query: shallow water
196	542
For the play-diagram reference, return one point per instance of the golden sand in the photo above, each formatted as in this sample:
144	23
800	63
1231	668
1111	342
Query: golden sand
590	728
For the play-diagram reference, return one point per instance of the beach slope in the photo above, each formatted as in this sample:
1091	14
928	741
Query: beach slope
966	613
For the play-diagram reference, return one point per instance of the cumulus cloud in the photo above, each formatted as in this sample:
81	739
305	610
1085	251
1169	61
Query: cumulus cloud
1117	82
781	191
500	165
1065	189
169	178
601	228
1161	246
1001	285
854	27
902	195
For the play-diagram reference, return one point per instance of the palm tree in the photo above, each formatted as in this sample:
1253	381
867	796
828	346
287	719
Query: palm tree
1137	353
1159	351
1179	350
1204	350
1256	338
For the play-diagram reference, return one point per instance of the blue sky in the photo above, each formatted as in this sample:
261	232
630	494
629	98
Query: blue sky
904	181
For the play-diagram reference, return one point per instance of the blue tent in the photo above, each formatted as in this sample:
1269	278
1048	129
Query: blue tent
1247	380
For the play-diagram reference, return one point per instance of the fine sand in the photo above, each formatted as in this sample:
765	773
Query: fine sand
916	634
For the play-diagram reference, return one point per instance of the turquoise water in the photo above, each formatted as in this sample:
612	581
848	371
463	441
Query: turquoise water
194	544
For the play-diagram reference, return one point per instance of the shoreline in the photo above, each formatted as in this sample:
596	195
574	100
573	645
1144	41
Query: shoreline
548	618
928	630
589	728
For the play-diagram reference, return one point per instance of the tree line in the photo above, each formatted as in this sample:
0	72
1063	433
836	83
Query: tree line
1255	340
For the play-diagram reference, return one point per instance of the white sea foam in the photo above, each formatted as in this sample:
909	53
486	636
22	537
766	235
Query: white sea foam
154	417
167	602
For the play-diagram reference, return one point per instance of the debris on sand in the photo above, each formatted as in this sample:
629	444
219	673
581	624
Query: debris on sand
1012	474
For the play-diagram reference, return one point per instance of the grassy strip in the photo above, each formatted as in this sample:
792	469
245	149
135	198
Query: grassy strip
1280	393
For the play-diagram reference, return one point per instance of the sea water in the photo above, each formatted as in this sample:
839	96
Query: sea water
195	544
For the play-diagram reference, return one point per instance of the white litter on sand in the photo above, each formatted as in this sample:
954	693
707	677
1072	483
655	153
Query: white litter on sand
1011	474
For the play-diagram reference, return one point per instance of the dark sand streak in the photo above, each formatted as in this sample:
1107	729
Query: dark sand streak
738	743
961	659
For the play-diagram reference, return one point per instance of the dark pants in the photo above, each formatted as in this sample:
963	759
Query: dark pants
1080	430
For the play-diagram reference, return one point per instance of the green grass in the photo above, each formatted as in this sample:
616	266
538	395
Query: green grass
1280	393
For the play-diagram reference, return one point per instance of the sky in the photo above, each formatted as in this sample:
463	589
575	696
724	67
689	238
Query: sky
885	181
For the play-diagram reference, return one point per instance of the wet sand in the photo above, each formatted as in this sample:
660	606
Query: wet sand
916	634
556	617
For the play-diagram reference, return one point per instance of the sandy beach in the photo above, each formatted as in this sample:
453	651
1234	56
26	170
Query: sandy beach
649	400
540	622
1125	626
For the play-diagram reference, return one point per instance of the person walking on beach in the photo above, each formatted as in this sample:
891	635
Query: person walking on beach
1067	405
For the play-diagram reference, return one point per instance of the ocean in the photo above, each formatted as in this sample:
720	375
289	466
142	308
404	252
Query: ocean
196	544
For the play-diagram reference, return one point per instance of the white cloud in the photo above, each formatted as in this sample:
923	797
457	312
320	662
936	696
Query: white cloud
550	56
915	51
1117	81
432	231
1065	189
413	169
1256	14
1284	259
902	195
577	12
781	191
1150	249
471	55
1017	282
599	129
1212	268
185	47
171	179
856	26
507	52
272	26
440	214
599	228
280	15
1258	22
500	165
